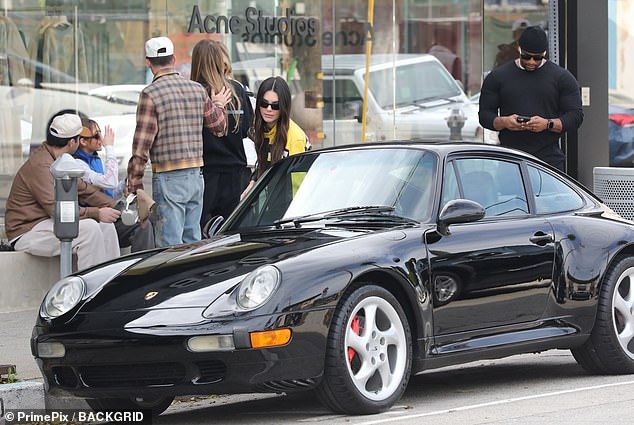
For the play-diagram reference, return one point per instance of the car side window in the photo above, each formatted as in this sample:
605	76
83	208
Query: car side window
551	194
450	189
347	103
495	184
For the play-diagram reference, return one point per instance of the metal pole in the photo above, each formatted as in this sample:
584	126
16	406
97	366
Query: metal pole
368	52
65	258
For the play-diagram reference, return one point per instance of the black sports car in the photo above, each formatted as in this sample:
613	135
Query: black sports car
347	270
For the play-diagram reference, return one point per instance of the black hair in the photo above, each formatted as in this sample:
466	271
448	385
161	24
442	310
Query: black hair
162	60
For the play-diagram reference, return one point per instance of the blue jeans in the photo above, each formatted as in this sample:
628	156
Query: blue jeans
179	203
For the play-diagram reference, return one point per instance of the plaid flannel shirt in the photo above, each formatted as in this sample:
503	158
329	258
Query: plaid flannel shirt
170	116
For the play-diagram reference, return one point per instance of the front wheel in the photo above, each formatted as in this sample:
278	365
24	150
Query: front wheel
368	353
156	405
610	348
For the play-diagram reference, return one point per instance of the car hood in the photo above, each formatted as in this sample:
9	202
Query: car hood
434	115
193	276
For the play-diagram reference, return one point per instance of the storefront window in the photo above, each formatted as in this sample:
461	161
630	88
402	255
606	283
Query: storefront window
425	59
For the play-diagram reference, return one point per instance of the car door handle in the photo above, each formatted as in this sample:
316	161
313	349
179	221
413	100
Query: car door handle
541	238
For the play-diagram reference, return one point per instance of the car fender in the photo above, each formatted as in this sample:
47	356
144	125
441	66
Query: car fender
578	275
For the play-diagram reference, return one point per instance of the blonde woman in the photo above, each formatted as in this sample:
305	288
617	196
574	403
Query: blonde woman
225	165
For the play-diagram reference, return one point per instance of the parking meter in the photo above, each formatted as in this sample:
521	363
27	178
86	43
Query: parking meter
66	220
455	122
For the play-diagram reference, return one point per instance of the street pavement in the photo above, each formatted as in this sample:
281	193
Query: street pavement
15	335
15	349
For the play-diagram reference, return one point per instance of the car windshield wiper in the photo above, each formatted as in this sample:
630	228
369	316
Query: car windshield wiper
341	212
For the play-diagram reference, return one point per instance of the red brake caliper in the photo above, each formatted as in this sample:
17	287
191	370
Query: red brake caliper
356	328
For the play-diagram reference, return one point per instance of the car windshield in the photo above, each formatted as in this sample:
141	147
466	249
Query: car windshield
432	84
389	185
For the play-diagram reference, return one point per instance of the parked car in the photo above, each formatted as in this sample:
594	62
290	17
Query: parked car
410	96
33	98
345	271
621	129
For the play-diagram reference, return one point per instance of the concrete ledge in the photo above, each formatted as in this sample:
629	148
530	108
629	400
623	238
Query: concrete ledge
30	395
26	279
21	395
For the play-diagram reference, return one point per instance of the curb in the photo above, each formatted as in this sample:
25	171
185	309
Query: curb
21	395
30	395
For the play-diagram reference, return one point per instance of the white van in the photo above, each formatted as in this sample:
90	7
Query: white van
410	97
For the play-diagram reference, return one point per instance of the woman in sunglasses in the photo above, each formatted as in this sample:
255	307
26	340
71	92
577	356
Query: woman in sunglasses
275	134
92	141
138	236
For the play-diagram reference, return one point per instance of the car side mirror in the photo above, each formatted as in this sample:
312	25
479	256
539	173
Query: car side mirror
459	211
212	225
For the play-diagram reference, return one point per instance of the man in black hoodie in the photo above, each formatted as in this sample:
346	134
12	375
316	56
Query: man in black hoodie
532	101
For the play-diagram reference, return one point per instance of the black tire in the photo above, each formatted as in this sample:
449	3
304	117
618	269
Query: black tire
382	343
157	405
610	348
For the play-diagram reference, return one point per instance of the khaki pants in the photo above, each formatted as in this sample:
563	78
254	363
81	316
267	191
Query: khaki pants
95	243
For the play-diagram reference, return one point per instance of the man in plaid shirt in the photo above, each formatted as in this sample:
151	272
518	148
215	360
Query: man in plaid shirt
170	116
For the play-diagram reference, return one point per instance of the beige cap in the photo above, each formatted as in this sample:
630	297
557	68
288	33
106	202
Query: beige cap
66	126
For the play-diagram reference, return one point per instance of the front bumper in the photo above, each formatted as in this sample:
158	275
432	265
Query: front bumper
116	364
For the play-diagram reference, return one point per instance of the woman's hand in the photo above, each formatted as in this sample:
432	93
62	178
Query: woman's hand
246	190
221	98
108	136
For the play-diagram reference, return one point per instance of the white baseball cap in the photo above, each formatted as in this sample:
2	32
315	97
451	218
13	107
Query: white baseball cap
158	47
66	126
520	23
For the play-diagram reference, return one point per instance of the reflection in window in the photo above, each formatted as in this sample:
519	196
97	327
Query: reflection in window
399	178
495	184
347	103
551	194
433	82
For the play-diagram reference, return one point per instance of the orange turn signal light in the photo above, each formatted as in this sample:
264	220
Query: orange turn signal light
272	338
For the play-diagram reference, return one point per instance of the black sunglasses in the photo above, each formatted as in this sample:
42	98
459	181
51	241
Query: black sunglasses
526	56
265	104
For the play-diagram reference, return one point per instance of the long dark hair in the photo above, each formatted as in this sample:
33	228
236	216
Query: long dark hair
279	86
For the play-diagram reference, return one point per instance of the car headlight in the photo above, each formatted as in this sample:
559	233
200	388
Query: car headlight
63	296
258	287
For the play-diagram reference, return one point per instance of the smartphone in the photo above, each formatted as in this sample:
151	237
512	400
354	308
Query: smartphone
523	118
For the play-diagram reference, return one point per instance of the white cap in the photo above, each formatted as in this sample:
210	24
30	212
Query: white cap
158	47
66	126
520	23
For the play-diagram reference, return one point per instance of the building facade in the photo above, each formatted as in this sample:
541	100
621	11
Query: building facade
89	56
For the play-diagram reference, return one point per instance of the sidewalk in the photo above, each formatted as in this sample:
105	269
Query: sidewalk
15	336
29	393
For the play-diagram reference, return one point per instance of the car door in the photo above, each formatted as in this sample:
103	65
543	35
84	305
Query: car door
494	274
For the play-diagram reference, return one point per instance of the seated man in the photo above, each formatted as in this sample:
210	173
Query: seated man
31	203
139	236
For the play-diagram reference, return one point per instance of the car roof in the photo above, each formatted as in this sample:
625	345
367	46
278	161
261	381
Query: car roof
442	147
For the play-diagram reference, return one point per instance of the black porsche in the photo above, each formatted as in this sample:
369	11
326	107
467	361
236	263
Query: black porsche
344	272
